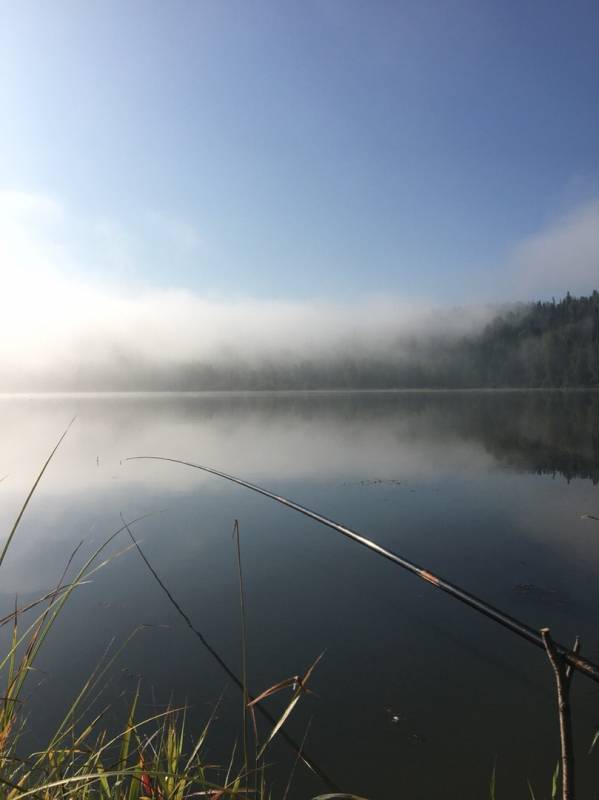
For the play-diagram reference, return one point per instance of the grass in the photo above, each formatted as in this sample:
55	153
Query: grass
153	757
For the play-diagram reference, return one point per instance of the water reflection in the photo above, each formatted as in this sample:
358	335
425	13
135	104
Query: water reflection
294	435
473	485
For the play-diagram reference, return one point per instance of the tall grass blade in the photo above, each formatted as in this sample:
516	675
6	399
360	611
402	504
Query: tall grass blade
530	791
129	730
554	782
31	492
294	767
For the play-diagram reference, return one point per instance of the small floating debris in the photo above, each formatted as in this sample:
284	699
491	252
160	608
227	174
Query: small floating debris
110	604
540	593
127	674
374	482
395	717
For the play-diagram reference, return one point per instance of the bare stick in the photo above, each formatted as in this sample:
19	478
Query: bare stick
563	679
244	676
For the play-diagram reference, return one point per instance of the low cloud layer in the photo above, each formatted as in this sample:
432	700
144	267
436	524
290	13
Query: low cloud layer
65	325
54	325
563	257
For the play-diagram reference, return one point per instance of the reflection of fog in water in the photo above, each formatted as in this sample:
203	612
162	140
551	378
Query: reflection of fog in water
319	436
290	436
269	436
451	480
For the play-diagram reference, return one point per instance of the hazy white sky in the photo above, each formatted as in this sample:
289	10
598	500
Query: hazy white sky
198	175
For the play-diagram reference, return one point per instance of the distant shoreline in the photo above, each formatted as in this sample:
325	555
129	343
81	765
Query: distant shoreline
281	392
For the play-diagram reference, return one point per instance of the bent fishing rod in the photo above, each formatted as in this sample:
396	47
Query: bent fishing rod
576	661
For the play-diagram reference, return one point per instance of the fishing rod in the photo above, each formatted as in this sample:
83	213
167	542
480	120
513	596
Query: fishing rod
576	661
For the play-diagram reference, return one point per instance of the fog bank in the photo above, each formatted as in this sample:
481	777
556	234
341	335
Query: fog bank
59	335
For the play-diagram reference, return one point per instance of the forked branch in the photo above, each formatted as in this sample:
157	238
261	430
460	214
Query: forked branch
563	678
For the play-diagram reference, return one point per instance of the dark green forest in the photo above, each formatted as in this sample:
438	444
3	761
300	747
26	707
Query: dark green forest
551	344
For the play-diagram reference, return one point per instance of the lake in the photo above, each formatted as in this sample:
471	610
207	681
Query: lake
416	695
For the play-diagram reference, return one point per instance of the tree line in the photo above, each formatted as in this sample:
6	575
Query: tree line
533	345
551	344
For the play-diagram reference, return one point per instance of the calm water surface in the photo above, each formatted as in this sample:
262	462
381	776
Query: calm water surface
416	696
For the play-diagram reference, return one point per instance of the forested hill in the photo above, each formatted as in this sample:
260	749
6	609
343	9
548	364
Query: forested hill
535	345
539	345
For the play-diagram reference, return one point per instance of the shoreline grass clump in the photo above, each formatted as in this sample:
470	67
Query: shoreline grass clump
153	757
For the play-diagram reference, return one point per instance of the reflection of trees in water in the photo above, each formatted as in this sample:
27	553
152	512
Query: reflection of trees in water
549	432
546	432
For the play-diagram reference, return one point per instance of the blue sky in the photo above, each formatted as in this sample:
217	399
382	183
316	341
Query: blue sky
446	152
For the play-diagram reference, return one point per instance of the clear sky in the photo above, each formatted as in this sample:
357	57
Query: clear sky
335	149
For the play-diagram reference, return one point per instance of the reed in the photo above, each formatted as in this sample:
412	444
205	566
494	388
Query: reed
151	758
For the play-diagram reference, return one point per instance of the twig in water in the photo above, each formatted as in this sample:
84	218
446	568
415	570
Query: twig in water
563	678
244	676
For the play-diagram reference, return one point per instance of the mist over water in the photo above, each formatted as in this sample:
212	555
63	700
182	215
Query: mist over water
62	329
70	337
485	488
